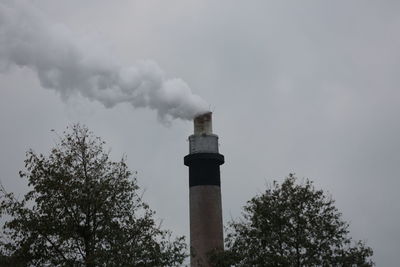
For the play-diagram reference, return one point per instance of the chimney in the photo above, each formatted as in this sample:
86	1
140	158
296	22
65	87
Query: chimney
206	228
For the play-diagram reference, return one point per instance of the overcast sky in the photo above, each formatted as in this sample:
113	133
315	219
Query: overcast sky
310	87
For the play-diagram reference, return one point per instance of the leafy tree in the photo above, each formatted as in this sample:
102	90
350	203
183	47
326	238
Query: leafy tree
82	210
291	225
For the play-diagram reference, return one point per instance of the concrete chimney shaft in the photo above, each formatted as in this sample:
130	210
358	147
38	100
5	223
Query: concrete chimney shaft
206	228
203	124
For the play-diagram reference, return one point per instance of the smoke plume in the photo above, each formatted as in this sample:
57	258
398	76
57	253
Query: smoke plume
73	64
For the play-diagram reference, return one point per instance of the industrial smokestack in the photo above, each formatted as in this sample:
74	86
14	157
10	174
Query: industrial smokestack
206	228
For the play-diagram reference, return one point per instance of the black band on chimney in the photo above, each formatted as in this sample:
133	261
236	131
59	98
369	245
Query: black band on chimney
204	168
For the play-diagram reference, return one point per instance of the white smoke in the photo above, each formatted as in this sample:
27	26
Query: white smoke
72	64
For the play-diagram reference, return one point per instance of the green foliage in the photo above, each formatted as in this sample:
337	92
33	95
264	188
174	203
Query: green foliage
291	225
83	210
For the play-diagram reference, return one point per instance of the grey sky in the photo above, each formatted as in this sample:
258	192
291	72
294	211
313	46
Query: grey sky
309	87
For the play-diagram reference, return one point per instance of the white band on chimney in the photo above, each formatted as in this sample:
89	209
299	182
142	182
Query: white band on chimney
203	144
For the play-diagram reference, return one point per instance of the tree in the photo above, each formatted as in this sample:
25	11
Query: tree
291	225
83	210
